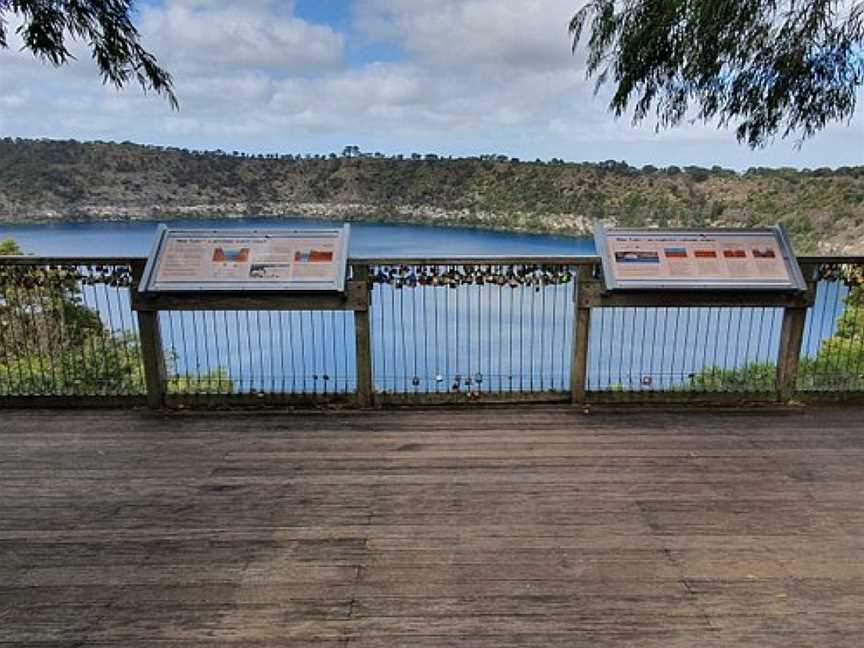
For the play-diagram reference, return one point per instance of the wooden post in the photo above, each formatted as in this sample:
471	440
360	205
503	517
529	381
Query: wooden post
363	342
791	341
791	338
581	331
153	356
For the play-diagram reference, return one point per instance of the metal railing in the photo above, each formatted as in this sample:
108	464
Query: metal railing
429	330
258	353
679	349
472	328
67	331
832	358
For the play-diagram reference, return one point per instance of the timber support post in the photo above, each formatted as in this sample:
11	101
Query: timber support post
153	357
581	336
152	354
363	340
791	341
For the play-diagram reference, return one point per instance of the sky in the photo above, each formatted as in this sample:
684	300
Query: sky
452	77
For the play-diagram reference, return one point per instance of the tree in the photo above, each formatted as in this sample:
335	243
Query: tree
770	66
8	247
105	25
52	343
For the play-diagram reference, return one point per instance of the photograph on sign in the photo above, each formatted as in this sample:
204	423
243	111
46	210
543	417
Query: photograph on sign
754	259
285	260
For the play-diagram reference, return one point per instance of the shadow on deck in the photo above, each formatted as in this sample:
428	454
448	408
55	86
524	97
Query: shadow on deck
493	527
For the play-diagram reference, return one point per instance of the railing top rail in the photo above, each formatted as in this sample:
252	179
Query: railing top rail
831	259
26	260
587	259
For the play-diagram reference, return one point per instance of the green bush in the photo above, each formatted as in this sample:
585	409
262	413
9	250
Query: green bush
8	247
52	344
837	365
755	377
214	382
99	364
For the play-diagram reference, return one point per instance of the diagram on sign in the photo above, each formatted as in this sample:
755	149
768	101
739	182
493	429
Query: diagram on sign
258	260
642	258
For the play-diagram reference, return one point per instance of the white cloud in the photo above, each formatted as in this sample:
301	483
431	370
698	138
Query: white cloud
529	34
478	76
195	35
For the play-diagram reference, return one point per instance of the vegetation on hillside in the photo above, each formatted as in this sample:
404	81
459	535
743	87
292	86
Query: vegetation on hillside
59	180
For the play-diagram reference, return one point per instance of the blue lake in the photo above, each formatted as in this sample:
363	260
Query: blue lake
122	238
473	337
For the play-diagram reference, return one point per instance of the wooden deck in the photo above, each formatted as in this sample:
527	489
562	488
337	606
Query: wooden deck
536	527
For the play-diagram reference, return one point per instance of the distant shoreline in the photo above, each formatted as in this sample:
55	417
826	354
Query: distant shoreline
405	215
47	181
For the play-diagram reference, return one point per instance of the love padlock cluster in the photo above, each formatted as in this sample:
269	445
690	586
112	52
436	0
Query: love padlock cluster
61	276
850	274
449	276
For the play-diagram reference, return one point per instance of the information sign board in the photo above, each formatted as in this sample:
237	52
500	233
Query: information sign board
281	260
710	259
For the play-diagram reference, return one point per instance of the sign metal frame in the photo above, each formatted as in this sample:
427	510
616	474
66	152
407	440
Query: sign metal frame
341	235
614	284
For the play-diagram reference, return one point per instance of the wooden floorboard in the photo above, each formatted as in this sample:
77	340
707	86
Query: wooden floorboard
531	526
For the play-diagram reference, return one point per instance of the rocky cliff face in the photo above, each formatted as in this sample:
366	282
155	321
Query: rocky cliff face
52	180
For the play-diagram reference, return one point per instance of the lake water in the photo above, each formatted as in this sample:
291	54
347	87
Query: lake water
440	339
123	238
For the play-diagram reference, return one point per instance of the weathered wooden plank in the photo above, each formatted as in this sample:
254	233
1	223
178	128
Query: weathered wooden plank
501	527
72	402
